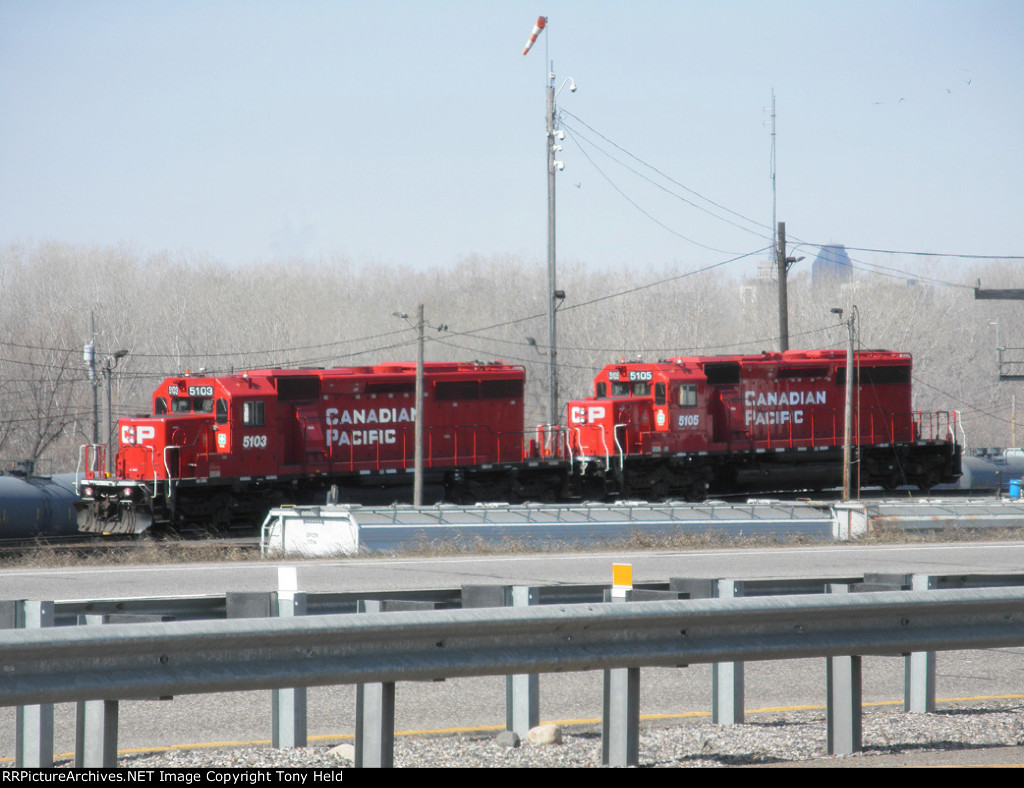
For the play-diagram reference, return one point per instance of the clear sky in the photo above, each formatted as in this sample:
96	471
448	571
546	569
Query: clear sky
412	133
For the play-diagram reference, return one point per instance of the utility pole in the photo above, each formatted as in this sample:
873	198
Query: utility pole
783	295
552	304
851	381
554	295
783	263
417	478
89	356
109	365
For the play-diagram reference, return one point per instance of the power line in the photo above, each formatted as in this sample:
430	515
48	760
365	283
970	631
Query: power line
645	212
672	180
940	254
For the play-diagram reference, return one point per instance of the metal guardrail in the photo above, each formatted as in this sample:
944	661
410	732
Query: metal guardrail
218	606
101	665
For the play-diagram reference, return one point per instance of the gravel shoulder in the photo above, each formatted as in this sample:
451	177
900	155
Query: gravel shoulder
980	733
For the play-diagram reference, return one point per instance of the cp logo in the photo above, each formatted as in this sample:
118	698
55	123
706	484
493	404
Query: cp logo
131	435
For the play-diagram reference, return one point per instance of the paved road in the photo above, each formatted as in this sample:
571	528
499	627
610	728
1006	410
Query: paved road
480	702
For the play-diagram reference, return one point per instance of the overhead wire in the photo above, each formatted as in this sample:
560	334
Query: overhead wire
873	268
673	181
644	211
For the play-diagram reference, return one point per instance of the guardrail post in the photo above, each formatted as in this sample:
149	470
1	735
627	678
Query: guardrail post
288	706
919	666
522	691
843	707
34	724
96	725
620	718
727	677
375	715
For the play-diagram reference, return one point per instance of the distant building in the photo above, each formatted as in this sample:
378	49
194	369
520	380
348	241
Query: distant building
831	266
768	270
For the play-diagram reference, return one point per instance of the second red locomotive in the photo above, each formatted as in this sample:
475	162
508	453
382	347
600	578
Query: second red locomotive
224	449
773	421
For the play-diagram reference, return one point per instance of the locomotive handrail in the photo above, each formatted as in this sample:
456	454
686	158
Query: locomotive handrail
959	423
152	462
167	467
98	463
607	453
618	446
78	467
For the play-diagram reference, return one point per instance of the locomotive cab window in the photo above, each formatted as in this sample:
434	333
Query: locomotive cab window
222	411
202	405
601	390
687	395
620	389
641	389
181	405
252	413
659	393
160	408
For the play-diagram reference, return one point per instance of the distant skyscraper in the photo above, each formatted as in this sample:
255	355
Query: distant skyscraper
831	266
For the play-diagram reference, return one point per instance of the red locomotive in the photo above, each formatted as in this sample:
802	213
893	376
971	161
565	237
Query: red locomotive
224	449
774	421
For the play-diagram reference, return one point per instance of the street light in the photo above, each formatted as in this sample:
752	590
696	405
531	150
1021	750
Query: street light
109	365
851	380
417	474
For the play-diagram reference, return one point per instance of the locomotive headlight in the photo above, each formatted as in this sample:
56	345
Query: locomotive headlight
127	492
88	491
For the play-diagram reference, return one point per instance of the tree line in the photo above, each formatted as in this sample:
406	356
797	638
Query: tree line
172	313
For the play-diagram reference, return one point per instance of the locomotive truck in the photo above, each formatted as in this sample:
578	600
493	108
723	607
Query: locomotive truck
220	450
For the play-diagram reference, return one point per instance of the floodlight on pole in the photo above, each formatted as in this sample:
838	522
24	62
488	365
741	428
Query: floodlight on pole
417	478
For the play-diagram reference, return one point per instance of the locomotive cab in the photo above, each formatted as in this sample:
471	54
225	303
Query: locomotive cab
197	432
642	409
653	416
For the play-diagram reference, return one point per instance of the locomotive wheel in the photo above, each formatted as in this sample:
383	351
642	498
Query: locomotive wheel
696	492
892	481
659	491
928	479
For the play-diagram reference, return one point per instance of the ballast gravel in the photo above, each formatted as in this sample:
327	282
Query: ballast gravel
764	739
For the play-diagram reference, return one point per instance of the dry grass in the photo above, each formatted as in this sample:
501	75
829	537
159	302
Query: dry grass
142	550
147	550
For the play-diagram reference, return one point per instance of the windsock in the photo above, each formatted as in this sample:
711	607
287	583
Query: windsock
541	21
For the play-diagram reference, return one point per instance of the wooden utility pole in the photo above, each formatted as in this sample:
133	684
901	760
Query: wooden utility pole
417	478
783	264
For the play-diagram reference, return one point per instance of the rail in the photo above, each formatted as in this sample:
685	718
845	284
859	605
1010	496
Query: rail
44	665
